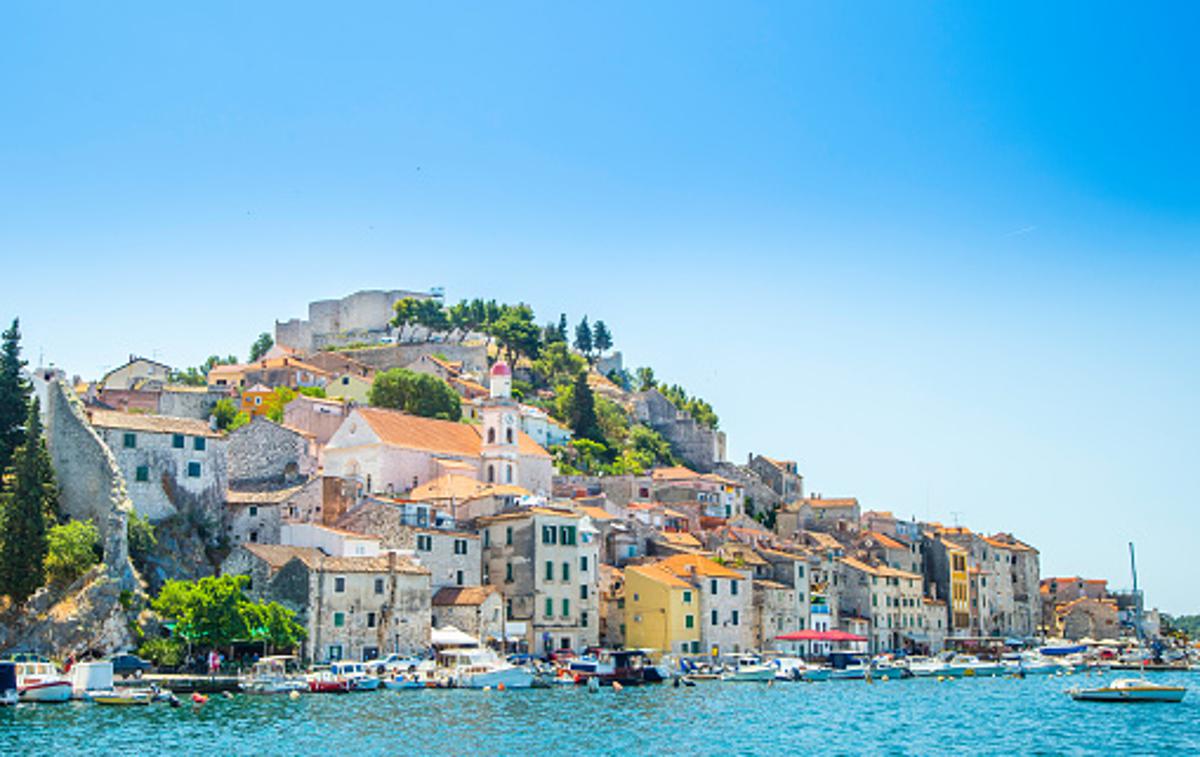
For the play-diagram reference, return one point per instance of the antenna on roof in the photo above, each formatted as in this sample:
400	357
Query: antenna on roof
955	514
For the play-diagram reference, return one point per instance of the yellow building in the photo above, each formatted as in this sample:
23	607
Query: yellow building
348	386
960	591
255	400
662	611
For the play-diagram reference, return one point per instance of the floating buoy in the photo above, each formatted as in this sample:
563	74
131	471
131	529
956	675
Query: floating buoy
487	688
883	677
617	686
198	698
939	678
500	687
228	694
294	695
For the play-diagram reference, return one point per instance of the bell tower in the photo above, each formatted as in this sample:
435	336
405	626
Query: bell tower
501	416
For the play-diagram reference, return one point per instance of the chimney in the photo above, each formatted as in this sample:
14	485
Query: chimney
212	422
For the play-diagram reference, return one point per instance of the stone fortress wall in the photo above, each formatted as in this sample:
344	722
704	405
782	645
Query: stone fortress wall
362	316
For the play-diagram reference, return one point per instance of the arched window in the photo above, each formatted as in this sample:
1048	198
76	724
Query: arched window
491	475
491	436
509	436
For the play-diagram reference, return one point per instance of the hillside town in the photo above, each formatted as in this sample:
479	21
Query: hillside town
529	492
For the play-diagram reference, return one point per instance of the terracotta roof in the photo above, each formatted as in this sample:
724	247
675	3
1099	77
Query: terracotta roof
596	513
220	370
450	486
278	555
679	539
877	570
655	573
271	497
674	473
769	584
414	432
529	511
831	503
156	424
885	541
469	596
286	362
824	540
682	565
785	555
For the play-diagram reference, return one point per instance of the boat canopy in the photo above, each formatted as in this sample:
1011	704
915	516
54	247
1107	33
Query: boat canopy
450	636
811	635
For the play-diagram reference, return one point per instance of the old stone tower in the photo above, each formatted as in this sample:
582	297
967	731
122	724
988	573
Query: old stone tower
501	427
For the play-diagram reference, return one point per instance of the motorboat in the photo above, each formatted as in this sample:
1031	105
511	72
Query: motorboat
325	681
926	667
125	697
8	684
968	666
38	680
749	668
628	667
796	669
355	673
852	672
404	681
478	668
1129	690
1030	663
274	675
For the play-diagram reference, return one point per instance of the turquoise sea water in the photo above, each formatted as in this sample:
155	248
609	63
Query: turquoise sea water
921	716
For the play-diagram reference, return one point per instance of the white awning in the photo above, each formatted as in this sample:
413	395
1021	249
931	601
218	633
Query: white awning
449	636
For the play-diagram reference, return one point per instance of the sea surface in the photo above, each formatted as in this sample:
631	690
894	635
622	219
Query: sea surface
915	716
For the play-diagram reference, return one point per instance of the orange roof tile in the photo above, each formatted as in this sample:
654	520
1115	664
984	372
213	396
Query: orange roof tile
400	429
683	565
658	574
462	596
885	541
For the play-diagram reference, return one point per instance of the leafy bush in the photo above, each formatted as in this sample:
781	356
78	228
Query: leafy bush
164	653
73	548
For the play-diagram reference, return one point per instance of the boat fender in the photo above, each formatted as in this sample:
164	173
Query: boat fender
294	695
617	686
500	687
487	688
883	677
198	698
228	694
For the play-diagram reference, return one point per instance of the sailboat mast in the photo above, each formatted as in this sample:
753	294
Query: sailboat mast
1137	598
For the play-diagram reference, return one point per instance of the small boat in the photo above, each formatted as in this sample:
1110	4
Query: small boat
121	698
749	668
38	680
355	673
325	682
478	668
1030	663
1129	690
403	682
926	667
796	669
628	667
971	666
274	675
8	684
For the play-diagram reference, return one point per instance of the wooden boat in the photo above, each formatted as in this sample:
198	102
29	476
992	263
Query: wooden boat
628	667
1129	690
122	698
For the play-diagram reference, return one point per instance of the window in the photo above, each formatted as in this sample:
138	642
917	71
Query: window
508	436
491	436
689	621
339	619
253	510
549	607
345	381
583	564
733	587
549	535
508	536
193	470
734	618
508	573
458	578
508	474
687	599
254	537
714	618
460	546
425	543
583	619
378	585
177	441
258	400
142	473
566	574
695	647
370	620
199	443
566	607
130	441
335	650
491	474
487	538
712	587
508	610
583	591
799	571
339	584
549	570
568	535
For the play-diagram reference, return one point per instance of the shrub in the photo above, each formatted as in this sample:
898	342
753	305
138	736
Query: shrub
73	548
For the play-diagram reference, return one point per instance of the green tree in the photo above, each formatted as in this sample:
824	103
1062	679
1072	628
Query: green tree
261	346
164	653
141	537
649	442
583	338
589	455
74	547
557	365
25	508
280	397
562	327
415	393
14	395
601	338
229	417
420	311
581	412
645	378
215	612
516	333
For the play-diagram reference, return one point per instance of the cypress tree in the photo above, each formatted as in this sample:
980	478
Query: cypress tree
583	338
582	412
14	395
29	503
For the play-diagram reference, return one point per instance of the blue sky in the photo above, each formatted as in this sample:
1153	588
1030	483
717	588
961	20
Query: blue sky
944	256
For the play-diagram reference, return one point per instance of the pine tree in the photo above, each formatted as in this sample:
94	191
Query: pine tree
28	504
583	338
601	338
581	414
562	327
14	395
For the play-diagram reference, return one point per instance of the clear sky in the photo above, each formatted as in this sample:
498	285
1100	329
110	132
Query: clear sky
946	256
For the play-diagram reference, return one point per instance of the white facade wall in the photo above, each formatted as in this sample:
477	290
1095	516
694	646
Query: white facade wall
730	602
452	558
579	626
159	475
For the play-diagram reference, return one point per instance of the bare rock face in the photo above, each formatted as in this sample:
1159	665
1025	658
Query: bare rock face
95	615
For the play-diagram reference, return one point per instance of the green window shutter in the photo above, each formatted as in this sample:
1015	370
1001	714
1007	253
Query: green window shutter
689	621
177	441
549	570
566	607
339	619
130	441
549	607
199	443
142	473
566	573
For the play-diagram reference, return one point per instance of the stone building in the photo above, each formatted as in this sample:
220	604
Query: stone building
946	578
1087	617
699	446
725	598
791	569
317	416
263	454
612	607
171	465
781	476
837	515
477	610
255	517
189	401
774	612
360	317
137	373
545	563
352	607
290	372
889	598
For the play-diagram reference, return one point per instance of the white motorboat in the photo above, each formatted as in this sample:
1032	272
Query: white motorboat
355	674
39	681
926	667
1129	690
852	672
274	675
749	668
1030	663
971	666
796	669
479	668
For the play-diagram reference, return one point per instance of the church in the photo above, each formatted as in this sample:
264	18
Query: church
391	452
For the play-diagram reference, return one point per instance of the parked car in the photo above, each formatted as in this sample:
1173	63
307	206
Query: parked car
126	665
392	662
